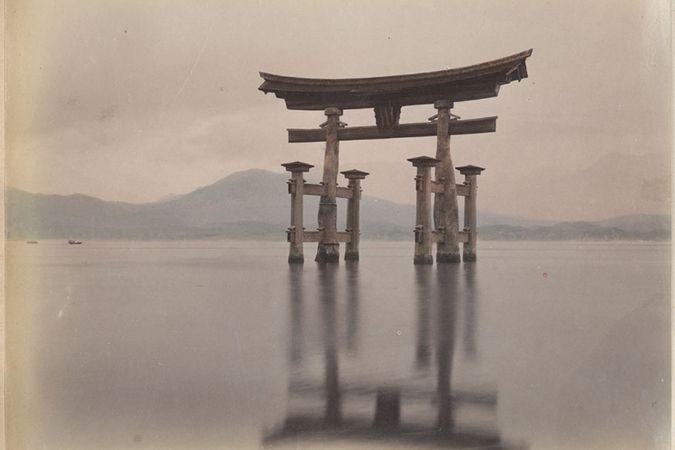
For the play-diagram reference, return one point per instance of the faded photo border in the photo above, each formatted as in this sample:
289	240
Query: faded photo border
48	173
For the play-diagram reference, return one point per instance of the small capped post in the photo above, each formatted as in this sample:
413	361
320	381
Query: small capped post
423	229
470	223
296	230
354	178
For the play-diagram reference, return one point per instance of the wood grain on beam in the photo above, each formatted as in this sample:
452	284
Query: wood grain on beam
457	127
318	190
344	192
313	189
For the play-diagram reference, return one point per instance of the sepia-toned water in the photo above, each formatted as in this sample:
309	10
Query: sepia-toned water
200	345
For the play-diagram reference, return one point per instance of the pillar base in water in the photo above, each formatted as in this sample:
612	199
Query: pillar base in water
443	258
328	253
351	256
423	260
469	257
296	259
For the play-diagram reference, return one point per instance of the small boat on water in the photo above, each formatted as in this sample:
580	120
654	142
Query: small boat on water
31	242
73	242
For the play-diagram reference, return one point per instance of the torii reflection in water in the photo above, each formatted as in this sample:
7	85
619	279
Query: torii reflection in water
438	299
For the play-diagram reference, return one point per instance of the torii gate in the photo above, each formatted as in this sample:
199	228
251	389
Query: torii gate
387	95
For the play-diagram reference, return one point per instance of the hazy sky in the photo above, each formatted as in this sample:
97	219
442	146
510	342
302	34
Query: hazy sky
133	100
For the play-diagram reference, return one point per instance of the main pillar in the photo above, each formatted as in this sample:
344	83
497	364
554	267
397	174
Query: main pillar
470	223
329	247
446	216
423	229
296	189
353	212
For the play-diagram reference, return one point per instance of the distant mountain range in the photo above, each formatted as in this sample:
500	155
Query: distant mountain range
614	183
254	204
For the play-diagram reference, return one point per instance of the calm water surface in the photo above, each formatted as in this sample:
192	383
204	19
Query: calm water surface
198	345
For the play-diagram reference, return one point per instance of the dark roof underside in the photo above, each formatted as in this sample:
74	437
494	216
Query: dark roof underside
461	84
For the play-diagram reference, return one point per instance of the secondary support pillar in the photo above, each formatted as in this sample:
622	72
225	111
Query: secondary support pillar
354	178
423	229
470	223
446	217
296	189
329	247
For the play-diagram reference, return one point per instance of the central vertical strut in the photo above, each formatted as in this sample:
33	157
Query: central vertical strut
446	216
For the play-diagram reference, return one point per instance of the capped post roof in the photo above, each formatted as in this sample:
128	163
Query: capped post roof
424	161
355	173
460	84
470	170
297	166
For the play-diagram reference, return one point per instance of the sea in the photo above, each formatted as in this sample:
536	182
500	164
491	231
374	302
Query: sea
224	345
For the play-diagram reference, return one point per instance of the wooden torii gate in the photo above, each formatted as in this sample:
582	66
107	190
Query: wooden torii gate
387	95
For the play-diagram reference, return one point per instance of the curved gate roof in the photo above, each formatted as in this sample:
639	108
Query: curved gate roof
460	84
